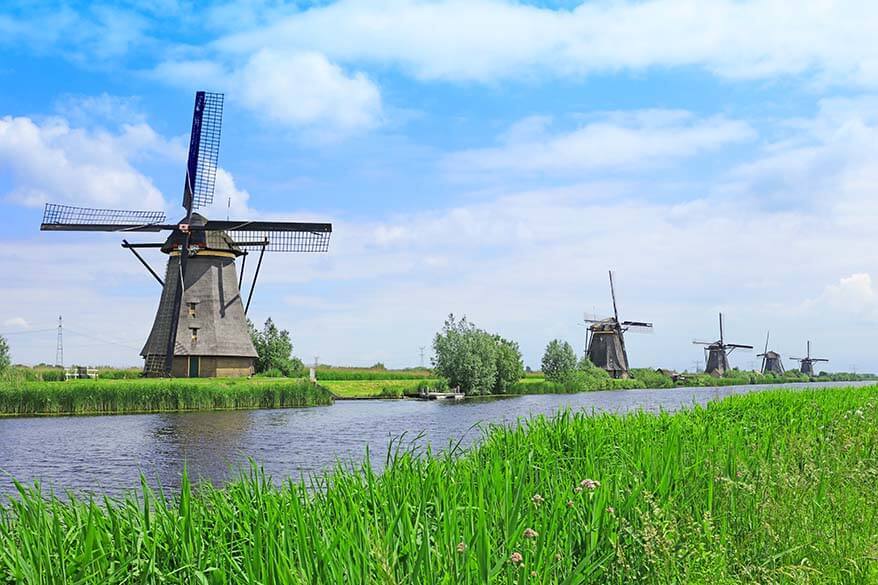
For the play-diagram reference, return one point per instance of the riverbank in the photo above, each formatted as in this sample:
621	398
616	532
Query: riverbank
156	395
774	487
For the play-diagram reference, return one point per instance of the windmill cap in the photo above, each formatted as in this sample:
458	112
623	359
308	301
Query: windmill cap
203	240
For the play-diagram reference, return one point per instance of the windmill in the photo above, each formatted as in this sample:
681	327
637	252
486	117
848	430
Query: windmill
717	352
606	340
807	362
200	327
771	360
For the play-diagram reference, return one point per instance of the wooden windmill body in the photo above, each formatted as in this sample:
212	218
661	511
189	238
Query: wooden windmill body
806	364
772	363
606	340
200	327
717	358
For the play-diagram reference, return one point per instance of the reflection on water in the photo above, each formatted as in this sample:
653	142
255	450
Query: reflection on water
107	454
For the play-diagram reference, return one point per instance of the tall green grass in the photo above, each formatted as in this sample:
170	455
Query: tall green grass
156	395
769	488
340	374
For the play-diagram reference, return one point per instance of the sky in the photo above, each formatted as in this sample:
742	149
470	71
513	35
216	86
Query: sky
486	158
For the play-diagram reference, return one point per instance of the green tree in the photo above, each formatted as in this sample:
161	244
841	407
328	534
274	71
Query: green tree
510	367
478	362
559	360
275	349
5	359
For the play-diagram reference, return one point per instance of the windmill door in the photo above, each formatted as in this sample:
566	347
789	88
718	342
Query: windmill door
194	366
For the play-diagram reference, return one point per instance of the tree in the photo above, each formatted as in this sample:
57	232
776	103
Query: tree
5	360
558	360
275	349
510	368
478	362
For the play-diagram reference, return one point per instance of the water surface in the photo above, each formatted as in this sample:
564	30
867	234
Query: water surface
107	454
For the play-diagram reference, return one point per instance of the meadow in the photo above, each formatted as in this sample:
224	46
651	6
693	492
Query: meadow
118	396
770	488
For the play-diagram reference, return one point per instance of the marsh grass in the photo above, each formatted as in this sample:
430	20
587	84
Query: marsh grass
768	488
156	395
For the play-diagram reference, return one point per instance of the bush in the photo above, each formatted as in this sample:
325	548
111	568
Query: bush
275	349
475	360
559	360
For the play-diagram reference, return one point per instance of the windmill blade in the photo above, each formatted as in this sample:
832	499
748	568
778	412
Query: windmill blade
637	326
739	346
594	318
90	219
281	236
697	342
767	334
796	359
204	143
819	360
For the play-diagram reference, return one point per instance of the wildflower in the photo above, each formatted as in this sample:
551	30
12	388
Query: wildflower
530	533
611	510
461	547
591	484
569	503
515	558
557	556
537	499
577	490
533	573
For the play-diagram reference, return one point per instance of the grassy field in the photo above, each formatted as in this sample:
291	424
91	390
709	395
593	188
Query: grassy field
155	395
769	488
376	388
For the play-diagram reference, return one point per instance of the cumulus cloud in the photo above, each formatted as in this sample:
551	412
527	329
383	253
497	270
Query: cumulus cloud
492	39
16	323
299	89
51	161
638	139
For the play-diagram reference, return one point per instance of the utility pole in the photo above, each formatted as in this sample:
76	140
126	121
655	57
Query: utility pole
422	355
59	348
314	369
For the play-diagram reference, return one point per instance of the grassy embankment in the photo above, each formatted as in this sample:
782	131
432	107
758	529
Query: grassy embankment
769	488
23	397
376	382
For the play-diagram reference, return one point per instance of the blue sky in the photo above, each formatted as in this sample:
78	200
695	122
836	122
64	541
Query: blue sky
486	158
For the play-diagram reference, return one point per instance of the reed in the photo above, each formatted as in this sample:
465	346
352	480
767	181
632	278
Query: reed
775	487
156	395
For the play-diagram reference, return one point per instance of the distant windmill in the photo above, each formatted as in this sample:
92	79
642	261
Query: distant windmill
200	327
718	352
606	339
771	360
807	363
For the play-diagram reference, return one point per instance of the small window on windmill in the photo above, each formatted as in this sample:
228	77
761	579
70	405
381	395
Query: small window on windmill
194	332
192	307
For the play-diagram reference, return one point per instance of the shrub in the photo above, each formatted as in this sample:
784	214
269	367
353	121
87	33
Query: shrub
559	360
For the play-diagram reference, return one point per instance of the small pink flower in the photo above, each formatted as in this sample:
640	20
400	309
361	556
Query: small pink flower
591	484
537	499
530	533
461	547
515	558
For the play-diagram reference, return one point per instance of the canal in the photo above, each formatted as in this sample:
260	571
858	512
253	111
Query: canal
107	454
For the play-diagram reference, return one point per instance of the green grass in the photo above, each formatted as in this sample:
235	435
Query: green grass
376	388
769	488
339	373
156	395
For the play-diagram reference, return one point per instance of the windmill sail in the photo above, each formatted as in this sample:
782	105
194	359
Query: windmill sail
90	219
204	143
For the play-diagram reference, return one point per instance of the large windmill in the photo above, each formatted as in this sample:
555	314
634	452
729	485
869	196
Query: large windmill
200	327
606	339
771	360
717	357
807	363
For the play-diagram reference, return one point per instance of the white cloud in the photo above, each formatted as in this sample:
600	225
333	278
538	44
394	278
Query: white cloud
17	323
50	161
627	140
228	199
490	39
851	295
299	89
